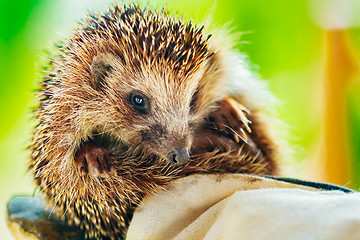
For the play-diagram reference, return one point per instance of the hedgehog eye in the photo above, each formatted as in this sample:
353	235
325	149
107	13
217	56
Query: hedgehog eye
139	102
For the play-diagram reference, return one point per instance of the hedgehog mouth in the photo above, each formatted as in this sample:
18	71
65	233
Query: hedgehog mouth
102	139
122	150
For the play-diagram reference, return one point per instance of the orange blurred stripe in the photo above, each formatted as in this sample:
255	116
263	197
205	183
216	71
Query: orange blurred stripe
341	66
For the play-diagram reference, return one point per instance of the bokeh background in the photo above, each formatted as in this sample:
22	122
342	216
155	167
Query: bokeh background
297	46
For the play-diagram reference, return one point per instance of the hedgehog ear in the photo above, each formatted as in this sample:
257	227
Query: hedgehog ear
99	70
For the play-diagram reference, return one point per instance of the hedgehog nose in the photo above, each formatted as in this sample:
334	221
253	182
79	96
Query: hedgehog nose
179	156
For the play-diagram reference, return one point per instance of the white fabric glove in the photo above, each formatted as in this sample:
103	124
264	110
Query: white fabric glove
238	206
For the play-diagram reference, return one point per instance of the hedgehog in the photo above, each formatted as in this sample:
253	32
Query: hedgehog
134	99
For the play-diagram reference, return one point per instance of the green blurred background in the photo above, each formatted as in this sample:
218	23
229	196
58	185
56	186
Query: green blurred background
280	38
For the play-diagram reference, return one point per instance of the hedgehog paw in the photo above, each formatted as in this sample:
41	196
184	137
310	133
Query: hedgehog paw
231	118
94	160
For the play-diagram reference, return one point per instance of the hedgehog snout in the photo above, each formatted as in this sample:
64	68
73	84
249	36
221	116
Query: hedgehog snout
179	156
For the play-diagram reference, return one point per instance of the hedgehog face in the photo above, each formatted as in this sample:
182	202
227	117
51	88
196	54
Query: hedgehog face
135	74
150	106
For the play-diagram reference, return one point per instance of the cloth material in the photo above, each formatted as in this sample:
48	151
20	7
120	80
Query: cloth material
237	206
